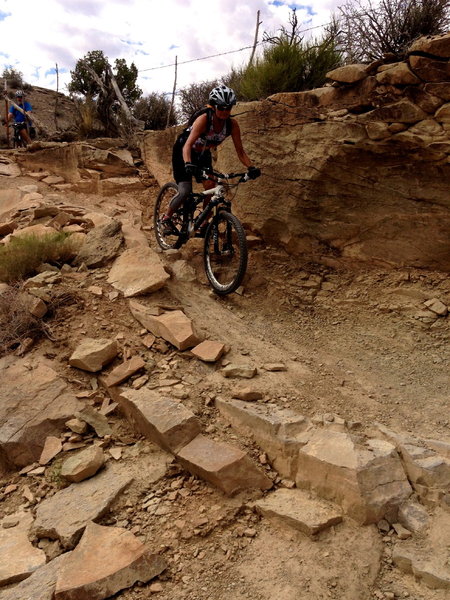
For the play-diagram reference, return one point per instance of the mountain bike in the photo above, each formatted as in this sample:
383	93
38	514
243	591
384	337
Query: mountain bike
225	246
17	140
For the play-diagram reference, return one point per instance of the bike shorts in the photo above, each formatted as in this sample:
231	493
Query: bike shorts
202	160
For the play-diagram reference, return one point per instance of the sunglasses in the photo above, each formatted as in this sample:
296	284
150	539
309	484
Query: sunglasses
223	107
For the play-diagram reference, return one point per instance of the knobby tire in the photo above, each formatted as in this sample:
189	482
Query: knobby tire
225	253
166	241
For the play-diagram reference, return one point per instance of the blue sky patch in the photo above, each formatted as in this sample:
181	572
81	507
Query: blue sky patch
276	3
3	15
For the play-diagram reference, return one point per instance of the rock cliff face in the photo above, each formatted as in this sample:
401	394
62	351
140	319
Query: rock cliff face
357	172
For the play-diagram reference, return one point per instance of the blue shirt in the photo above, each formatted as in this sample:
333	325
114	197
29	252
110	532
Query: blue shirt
18	116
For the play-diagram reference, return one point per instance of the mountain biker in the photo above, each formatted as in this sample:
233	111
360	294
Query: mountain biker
192	149
21	118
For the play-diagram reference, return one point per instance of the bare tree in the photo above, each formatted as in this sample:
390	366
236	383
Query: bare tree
372	28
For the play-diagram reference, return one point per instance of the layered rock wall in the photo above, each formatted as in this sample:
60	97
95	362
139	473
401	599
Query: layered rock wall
356	172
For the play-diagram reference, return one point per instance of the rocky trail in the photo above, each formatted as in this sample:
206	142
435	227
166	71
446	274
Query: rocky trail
323	398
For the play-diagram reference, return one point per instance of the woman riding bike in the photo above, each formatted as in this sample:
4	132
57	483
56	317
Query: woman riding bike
192	149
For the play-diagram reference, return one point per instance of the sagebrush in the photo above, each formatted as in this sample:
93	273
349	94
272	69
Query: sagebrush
23	255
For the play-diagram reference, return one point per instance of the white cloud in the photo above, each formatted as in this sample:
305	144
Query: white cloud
35	36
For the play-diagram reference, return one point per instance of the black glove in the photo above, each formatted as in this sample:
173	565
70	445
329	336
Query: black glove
253	172
190	168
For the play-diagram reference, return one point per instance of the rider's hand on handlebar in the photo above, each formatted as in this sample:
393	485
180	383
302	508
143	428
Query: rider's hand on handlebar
253	172
191	169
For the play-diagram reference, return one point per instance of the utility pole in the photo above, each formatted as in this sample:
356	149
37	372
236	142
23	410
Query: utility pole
173	93
255	42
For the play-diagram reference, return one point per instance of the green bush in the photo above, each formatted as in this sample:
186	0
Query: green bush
286	67
154	110
23	255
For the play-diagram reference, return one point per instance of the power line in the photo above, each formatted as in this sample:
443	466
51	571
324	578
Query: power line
185	62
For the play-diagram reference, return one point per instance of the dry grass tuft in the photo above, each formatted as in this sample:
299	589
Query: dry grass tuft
17	324
23	255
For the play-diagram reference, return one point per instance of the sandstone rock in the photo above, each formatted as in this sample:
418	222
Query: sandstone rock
274	367
36	403
397	74
31	231
247	394
119	185
124	371
86	574
432	575
77	426
241	371
174	326
41	583
52	447
100	246
183	271
369	482
209	351
402	111
226	467
280	432
429	69
166	422
83	465
348	73
436	306
138	271
96	420
299	510
426	469
92	354
65	515
42	280
437	45
18	558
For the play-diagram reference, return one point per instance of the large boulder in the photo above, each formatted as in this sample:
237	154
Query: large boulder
35	404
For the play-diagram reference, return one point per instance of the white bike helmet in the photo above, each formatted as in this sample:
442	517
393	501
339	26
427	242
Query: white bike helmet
222	95
19	94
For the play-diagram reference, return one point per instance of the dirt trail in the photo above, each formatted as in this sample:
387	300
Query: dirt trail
355	348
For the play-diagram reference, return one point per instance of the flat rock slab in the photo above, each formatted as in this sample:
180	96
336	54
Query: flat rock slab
18	557
137	271
124	371
107	560
209	350
226	467
93	354
299	510
35	403
65	515
40	585
435	576
166	422
173	326
239	371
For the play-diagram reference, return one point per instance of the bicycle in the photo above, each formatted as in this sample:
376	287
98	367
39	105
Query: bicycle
17	140
225	247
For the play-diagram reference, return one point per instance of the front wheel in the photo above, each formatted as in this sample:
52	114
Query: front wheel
225	253
167	237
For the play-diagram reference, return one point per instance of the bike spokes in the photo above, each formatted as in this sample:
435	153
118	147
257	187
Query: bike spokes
225	253
167	235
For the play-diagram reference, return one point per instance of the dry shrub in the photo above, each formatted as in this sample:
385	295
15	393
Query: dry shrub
23	255
16	322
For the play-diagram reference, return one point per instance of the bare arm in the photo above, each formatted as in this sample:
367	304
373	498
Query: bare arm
236	137
198	128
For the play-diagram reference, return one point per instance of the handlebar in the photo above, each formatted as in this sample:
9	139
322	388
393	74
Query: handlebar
210	174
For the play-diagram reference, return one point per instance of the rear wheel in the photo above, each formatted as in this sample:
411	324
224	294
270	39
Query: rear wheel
225	253
167	237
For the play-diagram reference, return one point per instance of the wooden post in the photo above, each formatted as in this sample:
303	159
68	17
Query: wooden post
173	92
6	114
57	96
255	42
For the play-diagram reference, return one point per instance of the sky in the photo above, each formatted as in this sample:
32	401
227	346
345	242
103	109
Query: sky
38	35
